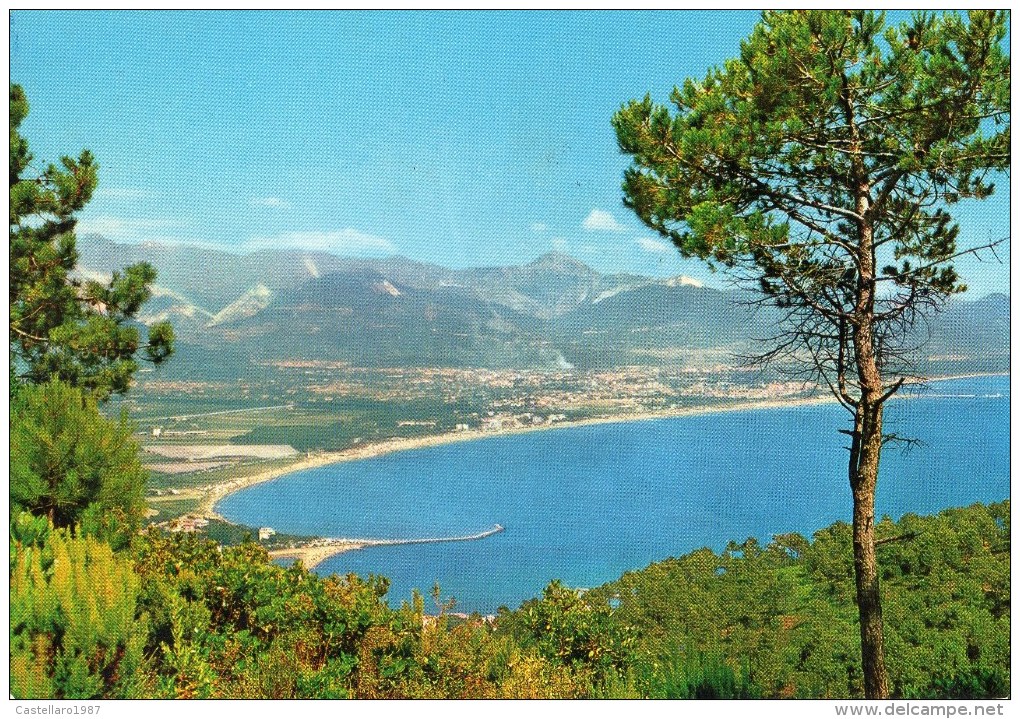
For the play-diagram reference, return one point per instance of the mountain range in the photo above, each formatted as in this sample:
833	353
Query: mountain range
552	312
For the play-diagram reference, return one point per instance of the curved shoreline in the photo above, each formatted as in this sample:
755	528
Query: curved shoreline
215	493
314	552
377	449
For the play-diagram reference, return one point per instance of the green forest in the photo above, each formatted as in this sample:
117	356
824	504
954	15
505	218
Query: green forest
180	616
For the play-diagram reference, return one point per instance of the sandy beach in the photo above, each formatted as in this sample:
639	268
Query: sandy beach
313	554
315	551
218	491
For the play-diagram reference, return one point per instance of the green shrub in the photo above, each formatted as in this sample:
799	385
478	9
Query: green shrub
74	632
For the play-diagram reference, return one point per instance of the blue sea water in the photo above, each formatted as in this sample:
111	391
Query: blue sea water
585	504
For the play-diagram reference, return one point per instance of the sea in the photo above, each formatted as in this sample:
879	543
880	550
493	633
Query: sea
585	504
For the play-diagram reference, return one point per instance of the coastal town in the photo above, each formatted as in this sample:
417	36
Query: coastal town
381	403
336	412
330	407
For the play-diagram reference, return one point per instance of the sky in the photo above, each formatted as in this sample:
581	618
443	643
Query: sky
462	139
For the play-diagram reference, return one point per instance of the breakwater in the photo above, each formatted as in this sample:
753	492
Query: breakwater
317	551
586	504
428	540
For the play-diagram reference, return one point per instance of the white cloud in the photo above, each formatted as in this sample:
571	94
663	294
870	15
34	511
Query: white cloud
270	202
649	245
539	227
559	244
176	241
124	228
601	220
347	241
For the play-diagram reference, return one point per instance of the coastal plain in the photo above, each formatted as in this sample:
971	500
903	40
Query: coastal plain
291	360
215	450
181	494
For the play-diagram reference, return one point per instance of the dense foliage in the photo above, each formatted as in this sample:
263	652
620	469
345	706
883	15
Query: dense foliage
70	463
780	619
62	325
225	622
180	616
75	631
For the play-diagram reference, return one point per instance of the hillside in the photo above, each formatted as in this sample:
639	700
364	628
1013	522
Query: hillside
552	313
754	621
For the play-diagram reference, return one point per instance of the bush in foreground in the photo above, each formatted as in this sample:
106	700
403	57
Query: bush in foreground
180	616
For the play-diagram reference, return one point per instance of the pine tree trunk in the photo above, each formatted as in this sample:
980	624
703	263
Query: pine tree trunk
867	443
863	479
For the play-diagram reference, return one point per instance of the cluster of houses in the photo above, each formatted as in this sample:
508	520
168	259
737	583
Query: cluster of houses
188	524
428	620
191	523
498	422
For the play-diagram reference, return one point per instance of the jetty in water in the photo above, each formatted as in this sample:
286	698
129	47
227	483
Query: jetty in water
317	551
429	540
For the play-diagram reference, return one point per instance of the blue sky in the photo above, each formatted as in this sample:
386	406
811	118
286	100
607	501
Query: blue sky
464	139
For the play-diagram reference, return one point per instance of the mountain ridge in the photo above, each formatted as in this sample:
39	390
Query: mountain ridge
550	312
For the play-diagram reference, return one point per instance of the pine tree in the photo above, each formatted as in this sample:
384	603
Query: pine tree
820	167
79	331
74	631
69	463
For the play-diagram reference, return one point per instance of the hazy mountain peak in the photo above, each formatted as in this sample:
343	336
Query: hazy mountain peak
386	287
560	261
684	281
312	268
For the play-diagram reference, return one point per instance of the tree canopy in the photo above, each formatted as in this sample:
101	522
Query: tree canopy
828	125
75	632
67	458
179	617
63	325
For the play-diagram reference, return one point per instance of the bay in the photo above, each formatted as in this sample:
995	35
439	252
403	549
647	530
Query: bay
585	504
